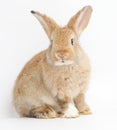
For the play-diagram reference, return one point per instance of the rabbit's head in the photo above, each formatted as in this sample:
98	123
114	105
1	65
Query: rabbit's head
64	48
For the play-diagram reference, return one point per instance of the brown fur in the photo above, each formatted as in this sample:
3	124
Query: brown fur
48	82
45	111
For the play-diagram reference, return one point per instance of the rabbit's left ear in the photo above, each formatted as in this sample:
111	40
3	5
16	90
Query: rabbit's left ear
80	21
47	23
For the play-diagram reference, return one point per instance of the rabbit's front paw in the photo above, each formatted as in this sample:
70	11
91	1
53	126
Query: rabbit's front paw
84	109
71	111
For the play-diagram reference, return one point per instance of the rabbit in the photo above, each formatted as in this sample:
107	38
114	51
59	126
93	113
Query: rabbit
53	83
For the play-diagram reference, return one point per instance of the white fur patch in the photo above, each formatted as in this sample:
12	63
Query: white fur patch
71	111
59	63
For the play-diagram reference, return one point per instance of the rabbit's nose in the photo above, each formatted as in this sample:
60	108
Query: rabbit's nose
62	55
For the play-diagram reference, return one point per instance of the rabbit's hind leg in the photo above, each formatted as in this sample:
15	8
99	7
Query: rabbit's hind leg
45	112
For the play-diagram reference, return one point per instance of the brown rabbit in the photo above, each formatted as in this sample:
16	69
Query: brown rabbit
53	83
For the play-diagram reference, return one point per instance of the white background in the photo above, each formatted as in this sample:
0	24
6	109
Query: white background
21	37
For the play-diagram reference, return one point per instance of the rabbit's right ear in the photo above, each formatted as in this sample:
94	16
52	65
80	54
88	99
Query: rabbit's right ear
48	24
80	21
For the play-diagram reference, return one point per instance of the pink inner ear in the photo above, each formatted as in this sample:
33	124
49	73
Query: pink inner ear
83	18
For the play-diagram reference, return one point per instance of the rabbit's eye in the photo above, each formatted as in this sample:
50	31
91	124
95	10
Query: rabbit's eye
72	41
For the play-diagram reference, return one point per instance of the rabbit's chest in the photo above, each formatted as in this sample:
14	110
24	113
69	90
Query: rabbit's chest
68	79
74	82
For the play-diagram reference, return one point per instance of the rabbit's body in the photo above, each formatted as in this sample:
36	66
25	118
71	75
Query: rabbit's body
48	87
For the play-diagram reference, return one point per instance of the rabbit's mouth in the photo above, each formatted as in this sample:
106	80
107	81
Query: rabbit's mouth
63	62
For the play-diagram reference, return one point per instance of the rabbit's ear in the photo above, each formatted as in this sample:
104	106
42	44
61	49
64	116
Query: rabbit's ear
80	21
48	24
